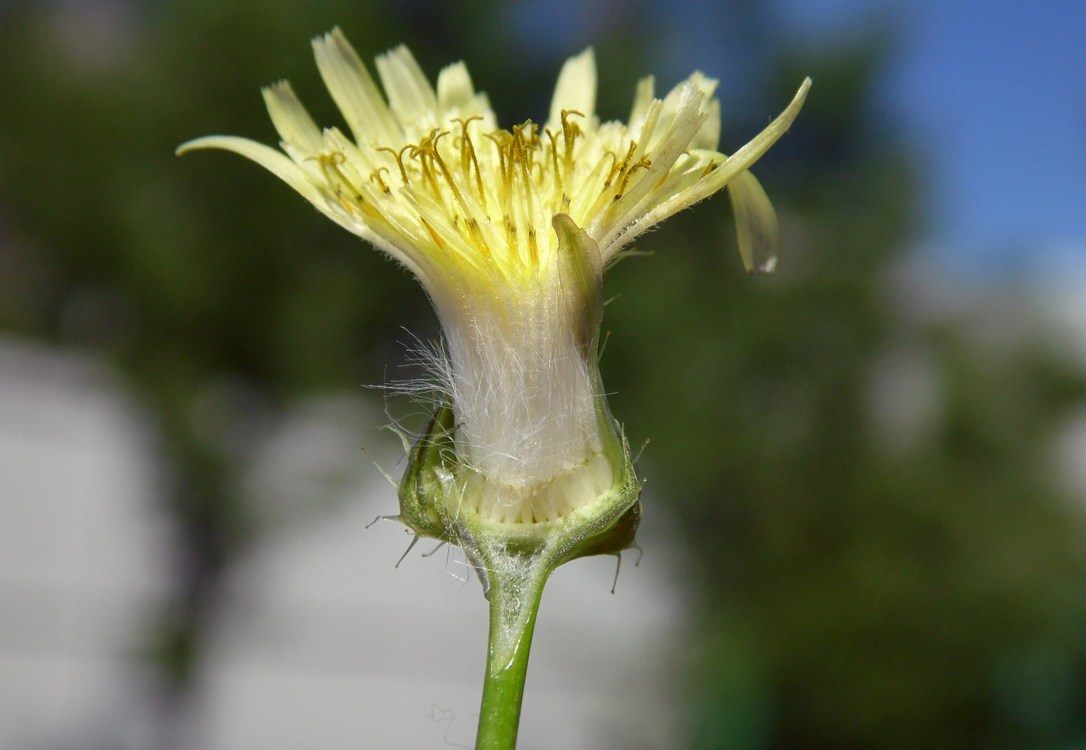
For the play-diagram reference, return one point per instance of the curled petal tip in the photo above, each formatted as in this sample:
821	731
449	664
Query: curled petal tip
193	145
801	95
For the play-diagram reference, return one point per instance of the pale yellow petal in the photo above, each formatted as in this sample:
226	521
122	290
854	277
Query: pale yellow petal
698	82
745	157
756	225
409	92
708	137
483	108
290	118
705	84
386	238
715	180
576	88
274	161
455	92
643	97
685	121
354	90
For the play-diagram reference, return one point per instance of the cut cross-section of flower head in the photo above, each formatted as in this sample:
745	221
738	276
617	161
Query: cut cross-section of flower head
509	230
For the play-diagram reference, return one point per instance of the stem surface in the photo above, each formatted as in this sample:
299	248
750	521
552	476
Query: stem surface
515	592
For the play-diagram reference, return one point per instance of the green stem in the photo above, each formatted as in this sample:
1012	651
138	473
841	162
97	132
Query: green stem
515	591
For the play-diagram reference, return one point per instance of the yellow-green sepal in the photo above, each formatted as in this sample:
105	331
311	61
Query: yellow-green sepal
756	227
429	468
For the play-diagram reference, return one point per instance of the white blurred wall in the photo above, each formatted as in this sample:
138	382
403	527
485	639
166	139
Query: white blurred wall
321	643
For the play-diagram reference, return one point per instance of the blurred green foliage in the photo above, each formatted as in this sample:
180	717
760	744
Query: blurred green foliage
863	581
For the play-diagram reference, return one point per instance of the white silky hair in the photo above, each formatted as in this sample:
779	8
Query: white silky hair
523	394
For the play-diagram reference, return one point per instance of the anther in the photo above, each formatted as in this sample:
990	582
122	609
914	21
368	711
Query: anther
468	158
501	140
554	158
570	131
629	155
643	164
337	179
533	246
424	150
615	168
433	235
467	148
375	176
398	156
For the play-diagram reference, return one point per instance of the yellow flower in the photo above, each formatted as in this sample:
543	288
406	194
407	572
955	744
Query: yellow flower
509	231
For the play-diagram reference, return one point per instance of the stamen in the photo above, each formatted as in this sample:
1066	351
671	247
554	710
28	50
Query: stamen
337	179
643	164
629	155
499	143
350	195
398	156
500	139
510	231
467	149
533	244
570	131
554	159
433	235
375	176
615	168
473	225
477	235
523	155
426	153
467	155
430	159
328	164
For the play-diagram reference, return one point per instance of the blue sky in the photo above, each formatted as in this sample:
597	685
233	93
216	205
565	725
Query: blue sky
991	92
995	94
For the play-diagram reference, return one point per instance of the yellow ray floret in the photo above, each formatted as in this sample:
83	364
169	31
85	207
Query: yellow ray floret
429	177
509	230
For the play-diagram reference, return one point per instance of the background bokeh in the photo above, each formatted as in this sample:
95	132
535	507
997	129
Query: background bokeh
865	489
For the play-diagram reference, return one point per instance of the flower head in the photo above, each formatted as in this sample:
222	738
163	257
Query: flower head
509	231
